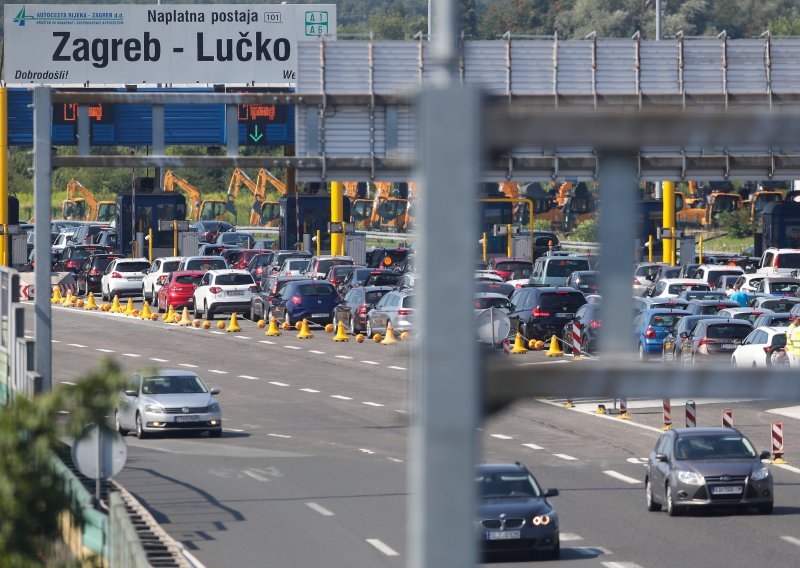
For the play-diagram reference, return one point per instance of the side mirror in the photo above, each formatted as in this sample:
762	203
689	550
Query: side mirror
215	390
131	393
764	455
551	493
661	458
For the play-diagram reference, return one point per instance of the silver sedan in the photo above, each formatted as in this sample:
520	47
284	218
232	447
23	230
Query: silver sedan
168	401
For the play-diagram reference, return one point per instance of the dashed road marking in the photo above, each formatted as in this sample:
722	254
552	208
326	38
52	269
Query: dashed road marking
75	345
637	461
501	436
382	547
621	565
217	371
187	365
131	355
293	347
343	356
341	397
395	460
319	509
267	342
569	537
105	350
397	368
309	390
279	435
372	403
791	540
787	467
366	451
370	362
233	430
242	337
533	446
248	377
565	457
55	341
254	475
622	477
157	360
315	352
218	332
278	384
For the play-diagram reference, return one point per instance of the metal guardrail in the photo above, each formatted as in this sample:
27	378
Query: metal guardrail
579	245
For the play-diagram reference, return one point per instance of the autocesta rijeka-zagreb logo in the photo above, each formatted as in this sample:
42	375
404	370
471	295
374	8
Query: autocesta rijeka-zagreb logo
22	17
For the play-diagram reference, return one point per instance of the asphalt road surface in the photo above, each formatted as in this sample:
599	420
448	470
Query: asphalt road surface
310	470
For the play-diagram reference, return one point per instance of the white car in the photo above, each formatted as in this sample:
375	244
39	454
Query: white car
293	267
761	348
123	277
745	314
161	267
712	272
224	291
61	242
642	272
776	286
674	287
490	275
779	262
749	282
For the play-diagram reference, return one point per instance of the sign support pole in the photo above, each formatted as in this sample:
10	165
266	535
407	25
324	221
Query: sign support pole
42	191
337	194
4	174
669	221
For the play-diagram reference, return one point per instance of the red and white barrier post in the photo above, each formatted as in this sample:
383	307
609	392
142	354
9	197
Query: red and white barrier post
623	409
667	413
691	414
727	418
777	442
576	339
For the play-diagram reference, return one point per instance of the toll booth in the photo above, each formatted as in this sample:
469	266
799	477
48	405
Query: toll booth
140	212
780	227
305	215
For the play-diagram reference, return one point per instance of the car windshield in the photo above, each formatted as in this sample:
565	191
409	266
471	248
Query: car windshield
779	322
648	270
511	266
408	302
179	384
665	320
101	263
170	265
778	305
713	447
714	275
206	264
132	266
84	253
485	303
298	264
565	267
788	260
501	485
712	309
562	301
727	331
383	279
235	239
187	279
316	289
783	287
235	279
678	288
373	296
700	295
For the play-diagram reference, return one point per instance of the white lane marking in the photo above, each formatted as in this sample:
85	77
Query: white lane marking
382	547
248	377
501	436
565	457
277	384
569	537
157	360
75	345
105	350
605	416
279	435
395	460
267	342
217	371
372	403
343	356
533	446
242	337
637	461
366	451
319	509
397	368
400	411
292	347
621	565
791	540
309	390
787	467
55	341
188	365
233	430
315	352
131	355
545	362
218	332
622	477
341	397
370	362
254	475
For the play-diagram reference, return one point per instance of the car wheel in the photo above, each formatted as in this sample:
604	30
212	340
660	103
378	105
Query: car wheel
197	313
140	433
122	431
672	509
765	509
554	554
648	491
215	433
207	312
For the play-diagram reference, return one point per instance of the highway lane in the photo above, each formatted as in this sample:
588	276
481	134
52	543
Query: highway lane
338	447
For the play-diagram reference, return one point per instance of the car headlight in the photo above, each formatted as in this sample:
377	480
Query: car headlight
213	407
691	478
759	474
154	408
541	520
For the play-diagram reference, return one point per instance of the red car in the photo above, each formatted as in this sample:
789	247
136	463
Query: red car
243	258
177	290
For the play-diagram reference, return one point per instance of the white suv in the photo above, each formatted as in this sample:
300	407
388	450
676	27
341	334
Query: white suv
161	267
123	277
224	291
779	262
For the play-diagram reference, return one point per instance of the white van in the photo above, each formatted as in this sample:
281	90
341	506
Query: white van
779	262
553	270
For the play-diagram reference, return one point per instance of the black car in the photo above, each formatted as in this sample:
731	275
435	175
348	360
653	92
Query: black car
386	257
259	265
671	346
708	307
358	301
337	273
409	264
514	515
541	312
91	271
588	319
587	281
214	249
73	256
207	231
261	302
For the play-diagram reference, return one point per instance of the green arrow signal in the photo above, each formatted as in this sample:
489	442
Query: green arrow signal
256	136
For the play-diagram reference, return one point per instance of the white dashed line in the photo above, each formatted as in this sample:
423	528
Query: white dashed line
267	342
130	355
395	460
366	451
279	435
397	368
791	540
315	352
55	341
372	403
248	377
341	397
502	437
157	360
565	457
70	383
621	565
387	550
533	446
232	430
242	337
218	332
105	350
370	362
622	477
319	509
217	371
277	384
400	411
254	475
309	390
569	537
343	356
292	347
75	345
188	365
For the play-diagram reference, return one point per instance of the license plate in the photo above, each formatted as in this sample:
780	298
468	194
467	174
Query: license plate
236	293
135	278
187	418
564	315
320	315
503	535
729	346
727	490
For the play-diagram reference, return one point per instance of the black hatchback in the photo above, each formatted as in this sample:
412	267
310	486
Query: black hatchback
91	271
541	312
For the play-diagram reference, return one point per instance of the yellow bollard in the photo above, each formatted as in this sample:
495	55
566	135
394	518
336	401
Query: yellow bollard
115	307
56	298
273	330
129	308
185	319
304	333
341	334
146	314
390	338
90	303
555	350
519	345
233	327
169	317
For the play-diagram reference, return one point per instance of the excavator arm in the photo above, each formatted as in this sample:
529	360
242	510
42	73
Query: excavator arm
266	177
171	179
91	203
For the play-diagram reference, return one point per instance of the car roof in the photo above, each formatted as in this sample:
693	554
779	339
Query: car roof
500	468
771	329
744	310
712	301
705	431
727	320
721	267
380	288
187	273
169	373
140	259
555	289
657	311
205	257
682	280
485	295
170	258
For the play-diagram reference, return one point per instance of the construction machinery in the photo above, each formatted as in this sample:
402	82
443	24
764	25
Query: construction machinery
390	213
360	205
759	200
705	211
263	213
86	208
199	209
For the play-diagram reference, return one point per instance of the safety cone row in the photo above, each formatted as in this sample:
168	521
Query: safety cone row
341	334
90	303
273	330
304	333
233	326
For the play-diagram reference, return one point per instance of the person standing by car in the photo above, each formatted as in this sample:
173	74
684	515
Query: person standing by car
793	342
740	296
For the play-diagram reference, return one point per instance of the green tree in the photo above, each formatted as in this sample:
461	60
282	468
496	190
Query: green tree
586	232
31	499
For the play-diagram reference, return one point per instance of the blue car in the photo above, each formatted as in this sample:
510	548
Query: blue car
651	327
314	300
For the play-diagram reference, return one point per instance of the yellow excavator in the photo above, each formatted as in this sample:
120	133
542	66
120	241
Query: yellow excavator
360	206
389	214
199	209
86	208
268	214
